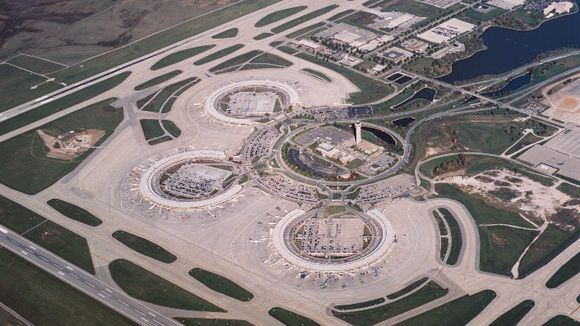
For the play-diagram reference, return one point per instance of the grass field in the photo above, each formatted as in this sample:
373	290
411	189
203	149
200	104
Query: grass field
144	285
180	56
279	15
370	89
15	86
457	312
515	314
151	128
157	41
500	247
74	212
236	61
62	103
218	54
53	237
565	272
431	291
523	142
144	247
262	36
456	238
163	100
64	243
158	80
317	74
212	322
407	289
228	33
290	318
35	64
359	305
561	320
302	19
27	169
551	243
305	30
221	284
386	106
569	189
43	299
341	14
481	212
171	128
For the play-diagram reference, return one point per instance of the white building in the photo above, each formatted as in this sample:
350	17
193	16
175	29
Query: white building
558	8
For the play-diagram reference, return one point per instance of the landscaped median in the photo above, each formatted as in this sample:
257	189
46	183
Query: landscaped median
143	285
221	284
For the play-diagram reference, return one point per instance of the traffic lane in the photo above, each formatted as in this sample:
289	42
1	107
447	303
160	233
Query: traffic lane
82	280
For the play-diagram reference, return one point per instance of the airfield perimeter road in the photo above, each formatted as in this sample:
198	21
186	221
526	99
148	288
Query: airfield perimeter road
82	281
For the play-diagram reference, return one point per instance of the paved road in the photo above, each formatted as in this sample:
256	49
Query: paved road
82	280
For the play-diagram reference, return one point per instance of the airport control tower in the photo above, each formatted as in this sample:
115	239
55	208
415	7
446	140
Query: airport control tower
357	132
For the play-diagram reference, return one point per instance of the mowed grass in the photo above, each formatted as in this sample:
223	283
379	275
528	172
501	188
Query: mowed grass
481	212
28	170
565	272
290	318
550	244
370	89
62	103
431	291
144	246
236	61
171	128
158	80
561	320
179	56
359	305
151	128
457	312
500	247
74	212
43	299
515	314
37	65
407	289
456	238
228	33
221	284
212	322
64	243
569	189
304	18
279	15
317	74
15	87
53	237
144	285
162	101
160	40
218	54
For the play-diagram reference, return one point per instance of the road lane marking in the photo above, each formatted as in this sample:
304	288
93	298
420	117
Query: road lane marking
123	302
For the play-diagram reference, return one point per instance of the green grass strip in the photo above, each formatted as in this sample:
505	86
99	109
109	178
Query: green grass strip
457	312
514	315
431	291
179	56
144	247
218	54
290	318
565	272
74	212
62	103
144	285
212	322
221	284
303	18
229	33
158	80
279	15
43	299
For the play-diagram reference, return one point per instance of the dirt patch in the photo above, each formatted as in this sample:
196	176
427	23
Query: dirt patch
69	146
483	179
497	240
501	183
513	180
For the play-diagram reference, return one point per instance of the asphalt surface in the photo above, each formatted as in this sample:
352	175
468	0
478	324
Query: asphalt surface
81	280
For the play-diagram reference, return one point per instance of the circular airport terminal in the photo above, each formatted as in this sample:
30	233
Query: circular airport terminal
189	180
333	239
248	101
